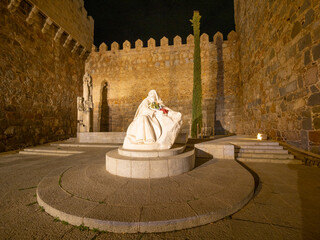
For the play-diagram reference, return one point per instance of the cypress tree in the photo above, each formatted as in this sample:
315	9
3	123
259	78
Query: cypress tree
197	89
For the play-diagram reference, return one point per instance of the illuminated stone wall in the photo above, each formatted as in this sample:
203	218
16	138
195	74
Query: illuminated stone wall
41	69
123	78
279	62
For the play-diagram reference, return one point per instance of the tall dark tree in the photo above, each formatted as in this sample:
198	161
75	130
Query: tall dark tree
197	89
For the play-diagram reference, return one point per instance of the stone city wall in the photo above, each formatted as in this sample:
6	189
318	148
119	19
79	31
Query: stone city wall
123	78
40	77
71	16
279	62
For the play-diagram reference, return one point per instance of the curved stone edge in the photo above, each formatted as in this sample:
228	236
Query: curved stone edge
102	225
196	221
73	220
151	226
135	227
149	168
151	153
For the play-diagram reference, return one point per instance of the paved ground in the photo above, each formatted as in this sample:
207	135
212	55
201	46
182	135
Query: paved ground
286	205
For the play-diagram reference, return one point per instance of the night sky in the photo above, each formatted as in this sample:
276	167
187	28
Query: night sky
120	20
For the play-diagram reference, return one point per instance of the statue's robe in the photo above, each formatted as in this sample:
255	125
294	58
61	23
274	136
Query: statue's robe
152	129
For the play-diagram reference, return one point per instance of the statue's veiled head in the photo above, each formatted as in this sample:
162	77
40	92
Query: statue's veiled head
153	96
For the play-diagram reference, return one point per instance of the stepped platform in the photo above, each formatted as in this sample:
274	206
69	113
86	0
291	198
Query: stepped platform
87	194
246	149
270	160
262	151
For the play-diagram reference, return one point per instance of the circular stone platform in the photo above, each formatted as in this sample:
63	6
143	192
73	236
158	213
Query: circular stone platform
143	164
175	150
88	195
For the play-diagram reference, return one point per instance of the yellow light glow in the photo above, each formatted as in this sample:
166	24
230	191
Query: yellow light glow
259	136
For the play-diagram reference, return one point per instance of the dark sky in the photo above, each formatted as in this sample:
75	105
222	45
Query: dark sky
120	20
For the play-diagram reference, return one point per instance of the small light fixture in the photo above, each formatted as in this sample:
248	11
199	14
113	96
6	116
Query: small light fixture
259	136
262	136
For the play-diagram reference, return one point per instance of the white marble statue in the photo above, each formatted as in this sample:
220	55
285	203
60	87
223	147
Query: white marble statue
87	87
154	126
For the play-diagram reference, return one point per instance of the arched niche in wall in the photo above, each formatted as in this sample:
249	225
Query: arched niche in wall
104	109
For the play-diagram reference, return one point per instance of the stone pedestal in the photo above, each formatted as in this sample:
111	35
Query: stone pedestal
85	106
84	115
150	164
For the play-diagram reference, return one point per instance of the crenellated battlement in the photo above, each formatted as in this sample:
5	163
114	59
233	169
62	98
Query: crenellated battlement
164	44
135	56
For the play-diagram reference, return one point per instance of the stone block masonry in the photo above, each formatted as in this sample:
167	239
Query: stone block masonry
263	78
40	74
71	16
123	77
279	44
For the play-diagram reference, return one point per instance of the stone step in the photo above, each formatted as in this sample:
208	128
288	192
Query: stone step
45	153
260	147
101	137
51	151
85	145
255	143
250	150
265	155
270	160
175	150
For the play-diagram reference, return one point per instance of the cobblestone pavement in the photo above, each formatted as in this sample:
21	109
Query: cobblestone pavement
285	206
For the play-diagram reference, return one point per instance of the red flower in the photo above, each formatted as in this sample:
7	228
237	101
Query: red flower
165	111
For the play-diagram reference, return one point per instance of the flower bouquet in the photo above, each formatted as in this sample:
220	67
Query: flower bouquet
157	106
154	105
